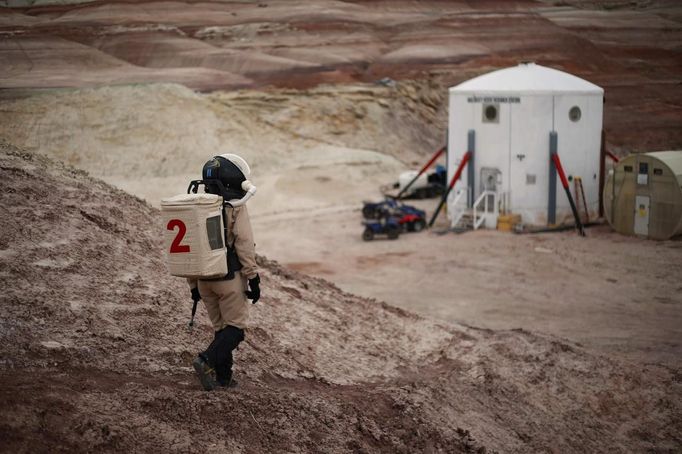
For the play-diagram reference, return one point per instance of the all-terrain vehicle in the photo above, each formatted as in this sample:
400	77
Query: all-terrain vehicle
387	225
412	219
408	217
374	210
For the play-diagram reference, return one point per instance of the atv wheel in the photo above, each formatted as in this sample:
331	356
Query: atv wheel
409	226
393	233
418	225
368	234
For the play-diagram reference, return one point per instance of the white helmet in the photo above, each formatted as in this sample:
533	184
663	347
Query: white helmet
233	172
239	162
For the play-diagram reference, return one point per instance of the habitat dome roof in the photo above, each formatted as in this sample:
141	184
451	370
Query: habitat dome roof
527	78
672	159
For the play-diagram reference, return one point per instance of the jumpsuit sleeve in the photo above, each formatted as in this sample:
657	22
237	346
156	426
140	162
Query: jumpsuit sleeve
244	244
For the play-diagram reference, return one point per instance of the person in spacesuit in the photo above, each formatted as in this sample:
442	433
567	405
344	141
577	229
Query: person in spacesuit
227	298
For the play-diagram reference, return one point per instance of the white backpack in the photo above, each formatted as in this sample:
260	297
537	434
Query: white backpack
194	238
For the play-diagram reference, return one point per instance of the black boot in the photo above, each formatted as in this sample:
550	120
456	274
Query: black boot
226	381
219	353
204	373
223	373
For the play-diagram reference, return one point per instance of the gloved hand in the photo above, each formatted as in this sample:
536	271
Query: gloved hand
254	293
195	294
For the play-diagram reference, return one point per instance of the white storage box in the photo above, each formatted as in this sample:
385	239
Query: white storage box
194	239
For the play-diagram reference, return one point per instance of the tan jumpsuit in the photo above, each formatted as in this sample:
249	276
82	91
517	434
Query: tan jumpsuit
225	300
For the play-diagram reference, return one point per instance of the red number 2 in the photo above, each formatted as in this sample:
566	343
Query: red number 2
176	247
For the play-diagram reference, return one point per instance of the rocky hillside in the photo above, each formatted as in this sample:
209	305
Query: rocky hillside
328	147
96	354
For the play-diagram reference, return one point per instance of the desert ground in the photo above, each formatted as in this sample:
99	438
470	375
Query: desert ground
436	342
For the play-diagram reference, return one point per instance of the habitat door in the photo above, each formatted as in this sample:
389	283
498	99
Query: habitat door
528	159
642	215
489	180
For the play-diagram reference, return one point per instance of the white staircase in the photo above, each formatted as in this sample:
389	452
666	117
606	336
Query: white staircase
484	213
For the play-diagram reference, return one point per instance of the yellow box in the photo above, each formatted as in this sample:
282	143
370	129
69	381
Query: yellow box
506	222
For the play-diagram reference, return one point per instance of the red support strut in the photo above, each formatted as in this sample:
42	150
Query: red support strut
458	173
612	156
560	170
564	183
435	156
432	160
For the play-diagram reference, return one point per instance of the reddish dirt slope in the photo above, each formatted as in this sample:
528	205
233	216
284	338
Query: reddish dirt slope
95	354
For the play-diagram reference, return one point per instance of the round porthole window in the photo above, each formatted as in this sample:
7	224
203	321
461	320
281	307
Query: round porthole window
574	114
490	113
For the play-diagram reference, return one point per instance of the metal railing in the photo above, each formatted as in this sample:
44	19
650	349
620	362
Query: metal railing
488	208
457	209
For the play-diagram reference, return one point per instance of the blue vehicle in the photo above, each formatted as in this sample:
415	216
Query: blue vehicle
374	210
411	218
408	217
387	225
